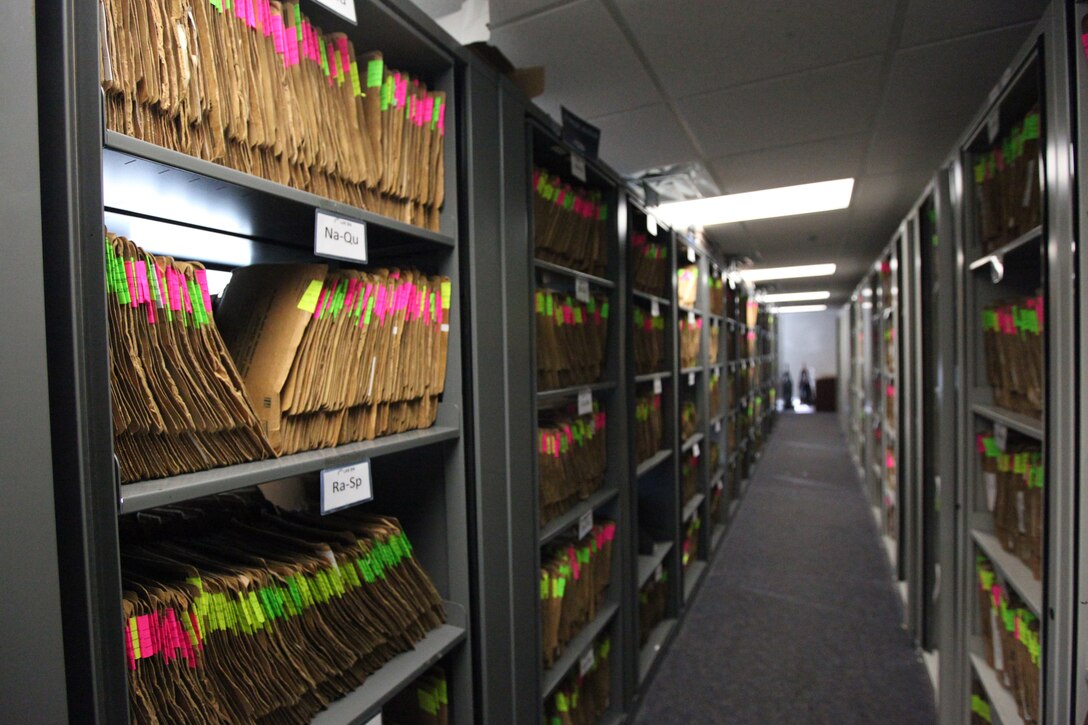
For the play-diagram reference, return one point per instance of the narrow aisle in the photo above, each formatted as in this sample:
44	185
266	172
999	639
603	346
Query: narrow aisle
797	621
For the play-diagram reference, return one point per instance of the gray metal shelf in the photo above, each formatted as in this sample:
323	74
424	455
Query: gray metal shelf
653	462
1016	421
270	210
399	672
692	577
646	296
650	377
655	645
690	442
692	506
561	523
1034	235
717	536
1012	570
576	648
1002	704
573	391
567	271
692	369
160	492
648	564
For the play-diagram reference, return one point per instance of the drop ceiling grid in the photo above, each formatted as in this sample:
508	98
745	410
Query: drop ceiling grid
775	93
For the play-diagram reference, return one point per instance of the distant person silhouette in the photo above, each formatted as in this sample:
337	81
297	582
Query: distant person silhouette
804	386
787	390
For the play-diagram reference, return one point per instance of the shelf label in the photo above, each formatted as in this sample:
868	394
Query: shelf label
581	289
339	237
585	664
651	225
376	720
585	524
695	450
655	308
1001	436
717	426
691	254
658	573
691	319
585	402
578	167
343	8
345	486
691	379
993	124
657	386
719	485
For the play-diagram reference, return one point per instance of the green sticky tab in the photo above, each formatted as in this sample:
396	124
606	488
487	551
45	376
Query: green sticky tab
559	587
540	304
544	581
298	21
308	303
427	702
604	311
437	112
1031	127
446	290
374	72
561	702
356	86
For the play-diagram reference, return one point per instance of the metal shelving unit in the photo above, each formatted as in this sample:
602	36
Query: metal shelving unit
90	182
1035	263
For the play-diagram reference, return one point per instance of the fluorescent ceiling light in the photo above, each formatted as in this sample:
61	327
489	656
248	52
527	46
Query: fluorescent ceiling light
796	296
765	204
804	270
800	308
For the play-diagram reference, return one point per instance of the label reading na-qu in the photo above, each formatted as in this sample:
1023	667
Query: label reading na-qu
657	386
339	238
345	486
585	524
578	167
585	402
343	8
581	289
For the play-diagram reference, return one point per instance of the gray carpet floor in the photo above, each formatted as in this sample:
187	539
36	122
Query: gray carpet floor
797	621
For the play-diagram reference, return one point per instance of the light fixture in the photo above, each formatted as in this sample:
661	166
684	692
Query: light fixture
796	296
765	204
804	270
799	308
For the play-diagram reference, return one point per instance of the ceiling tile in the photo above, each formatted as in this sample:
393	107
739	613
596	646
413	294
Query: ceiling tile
920	145
947	79
589	66
802	163
697	46
886	199
810	106
931	20
670	143
505	11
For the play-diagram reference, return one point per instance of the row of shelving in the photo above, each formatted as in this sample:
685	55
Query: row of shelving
960	416
506	538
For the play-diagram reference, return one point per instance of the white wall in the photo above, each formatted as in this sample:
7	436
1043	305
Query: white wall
808	338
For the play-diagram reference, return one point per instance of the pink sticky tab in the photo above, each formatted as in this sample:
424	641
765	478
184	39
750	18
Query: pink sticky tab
251	14
980	444
345	57
438	310
334	67
428	109
202	280
185	293
240	10
379	301
266	17
442	120
277	34
401	90
148	646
